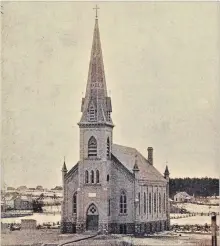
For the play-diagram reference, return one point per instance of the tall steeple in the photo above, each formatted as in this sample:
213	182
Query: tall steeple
96	106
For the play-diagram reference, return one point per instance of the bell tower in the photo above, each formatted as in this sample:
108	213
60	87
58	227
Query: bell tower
96	129
96	124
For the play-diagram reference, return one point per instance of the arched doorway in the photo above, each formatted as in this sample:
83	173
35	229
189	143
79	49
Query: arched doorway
92	218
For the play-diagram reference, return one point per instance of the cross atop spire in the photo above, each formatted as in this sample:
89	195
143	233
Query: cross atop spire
96	11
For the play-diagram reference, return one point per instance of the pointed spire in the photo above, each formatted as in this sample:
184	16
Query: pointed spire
166	173
64	169
96	99
96	76
135	168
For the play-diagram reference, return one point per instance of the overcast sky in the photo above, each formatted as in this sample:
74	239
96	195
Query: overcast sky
162	70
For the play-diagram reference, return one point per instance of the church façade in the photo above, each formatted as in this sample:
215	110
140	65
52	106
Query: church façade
112	188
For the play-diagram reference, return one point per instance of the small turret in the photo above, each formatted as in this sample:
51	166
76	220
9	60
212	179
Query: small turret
64	169
135	168
64	172
166	173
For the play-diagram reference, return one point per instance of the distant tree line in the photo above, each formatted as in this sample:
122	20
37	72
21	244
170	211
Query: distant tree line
197	186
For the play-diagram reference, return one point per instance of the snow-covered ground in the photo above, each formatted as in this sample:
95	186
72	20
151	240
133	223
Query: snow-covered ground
214	200
52	209
37	193
175	215
43	218
170	239
49	237
52	214
40	218
200	220
195	208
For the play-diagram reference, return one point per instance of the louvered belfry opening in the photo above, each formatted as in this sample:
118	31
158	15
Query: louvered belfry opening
92	147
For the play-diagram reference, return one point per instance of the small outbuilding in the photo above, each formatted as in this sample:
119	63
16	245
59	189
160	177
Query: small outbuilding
183	197
23	203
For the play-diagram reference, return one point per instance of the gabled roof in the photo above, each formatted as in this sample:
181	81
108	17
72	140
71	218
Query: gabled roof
127	156
10	198
183	194
72	170
24	198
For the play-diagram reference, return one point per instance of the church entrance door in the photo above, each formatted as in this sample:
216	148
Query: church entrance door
92	218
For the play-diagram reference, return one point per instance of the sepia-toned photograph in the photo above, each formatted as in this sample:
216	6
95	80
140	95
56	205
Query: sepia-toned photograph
110	123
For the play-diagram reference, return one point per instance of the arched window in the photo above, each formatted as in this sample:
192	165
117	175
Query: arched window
139	199
159	202
108	148
123	203
92	113
75	203
97	176
150	204
92	147
155	202
144	202
164	202
92	177
86	177
109	207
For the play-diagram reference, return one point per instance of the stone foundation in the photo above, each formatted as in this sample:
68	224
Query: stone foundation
80	227
67	227
125	228
118	228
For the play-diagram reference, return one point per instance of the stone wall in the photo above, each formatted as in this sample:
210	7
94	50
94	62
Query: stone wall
28	224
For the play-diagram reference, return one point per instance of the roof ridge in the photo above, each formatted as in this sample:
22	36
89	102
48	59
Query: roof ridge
114	157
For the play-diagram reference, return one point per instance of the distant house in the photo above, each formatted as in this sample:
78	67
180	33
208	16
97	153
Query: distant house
10	188
39	187
22	188
31	189
9	201
23	203
183	197
57	188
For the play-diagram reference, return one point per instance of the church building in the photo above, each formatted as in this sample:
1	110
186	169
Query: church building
112	188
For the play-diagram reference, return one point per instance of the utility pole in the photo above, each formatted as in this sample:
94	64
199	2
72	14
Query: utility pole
214	229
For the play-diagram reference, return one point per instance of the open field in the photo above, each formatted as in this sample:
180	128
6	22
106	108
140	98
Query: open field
171	240
39	217
52	236
45	218
193	220
38	237
196	208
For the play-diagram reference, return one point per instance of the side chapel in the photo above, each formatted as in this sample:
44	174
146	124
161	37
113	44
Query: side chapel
112	188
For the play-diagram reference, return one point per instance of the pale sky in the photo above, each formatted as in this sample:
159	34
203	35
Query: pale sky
162	71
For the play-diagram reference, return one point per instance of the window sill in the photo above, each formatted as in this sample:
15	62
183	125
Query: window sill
93	158
91	184
123	214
